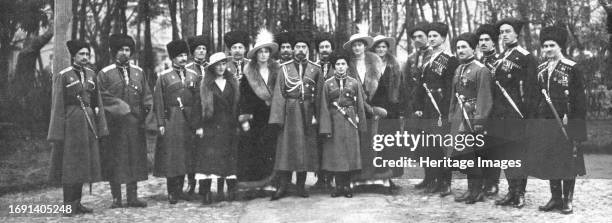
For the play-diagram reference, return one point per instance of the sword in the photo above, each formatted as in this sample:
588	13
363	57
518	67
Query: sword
433	101
465	115
89	122
554	111
346	116
182	108
509	99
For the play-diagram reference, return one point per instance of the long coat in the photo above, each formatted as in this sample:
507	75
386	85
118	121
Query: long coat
293	107
216	153
472	81
192	158
174	146
341	150
257	146
549	154
515	70
124	151
76	156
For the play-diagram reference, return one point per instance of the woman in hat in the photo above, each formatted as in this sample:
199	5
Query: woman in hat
342	121
559	126
216	159
367	68
259	137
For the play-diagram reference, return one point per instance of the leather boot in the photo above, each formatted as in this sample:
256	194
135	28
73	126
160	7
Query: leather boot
520	197
170	185
339	189
445	186
426	179
568	196
116	193
220	189
284	179
132	196
191	184
467	193
205	191
301	184
477	193
69	200
78	194
510	197
180	182
556	201
321	180
82	209
231	189
491	189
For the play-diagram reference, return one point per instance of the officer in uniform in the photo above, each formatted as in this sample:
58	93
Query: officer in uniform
488	37
513	74
198	46
432	100
127	101
177	110
469	109
77	121
238	43
294	108
285	52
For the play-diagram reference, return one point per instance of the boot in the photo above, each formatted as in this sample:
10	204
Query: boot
116	193
510	197
348	191
180	182
491	181
81	208
425	182
520	197
191	185
477	194
339	189
132	196
231	189
433	186
301	184
568	196
467	193
491	189
282	187
321	181
69	200
205	191
445	186
170	185
555	202
78	194
220	187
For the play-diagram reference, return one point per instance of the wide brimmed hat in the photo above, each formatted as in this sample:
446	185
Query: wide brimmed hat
361	35
217	58
264	39
380	38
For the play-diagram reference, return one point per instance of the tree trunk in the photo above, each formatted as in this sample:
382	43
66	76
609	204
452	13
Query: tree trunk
523	9
147	58
343	26
377	26
172	8
75	18
188	18
61	20
220	23
358	12
83	19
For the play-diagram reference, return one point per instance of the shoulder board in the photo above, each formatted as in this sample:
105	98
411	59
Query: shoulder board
542	65
568	62
478	63
109	67
190	70
329	79
135	67
522	50
246	60
313	63
66	70
165	72
87	68
189	64
288	62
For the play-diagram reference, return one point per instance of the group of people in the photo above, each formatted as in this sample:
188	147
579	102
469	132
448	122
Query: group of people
249	121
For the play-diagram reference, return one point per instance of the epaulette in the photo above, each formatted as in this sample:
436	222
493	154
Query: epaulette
568	62
288	62
478	63
136	67
189	64
109	67
313	63
330	78
65	70
522	50
87	68
542	65
164	72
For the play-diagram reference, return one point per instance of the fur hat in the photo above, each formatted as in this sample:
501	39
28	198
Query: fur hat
490	30
177	47
324	36
554	33
439	27
301	36
337	55
516	24
75	45
422	26
196	41
470	38
237	36
117	41
282	37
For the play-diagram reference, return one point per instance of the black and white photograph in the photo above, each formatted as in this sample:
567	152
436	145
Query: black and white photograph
305	111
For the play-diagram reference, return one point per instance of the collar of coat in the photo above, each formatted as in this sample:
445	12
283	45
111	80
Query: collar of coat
374	68
207	94
260	88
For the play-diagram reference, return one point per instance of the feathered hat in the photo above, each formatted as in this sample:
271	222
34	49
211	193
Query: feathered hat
361	35
264	39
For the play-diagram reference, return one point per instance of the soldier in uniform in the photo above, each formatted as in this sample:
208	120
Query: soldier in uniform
432	100
176	107
513	73
471	97
127	101
77	120
342	121
283	39
198	46
554	152
294	109
488	38
238	43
